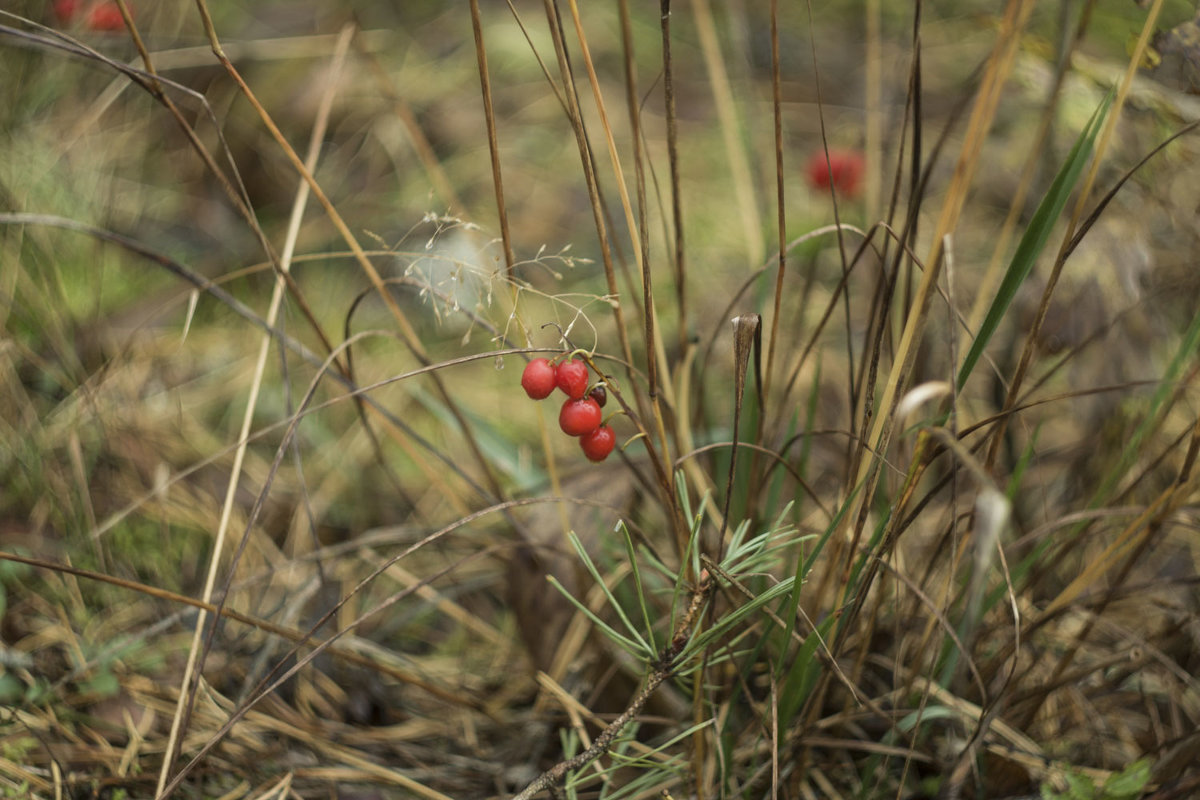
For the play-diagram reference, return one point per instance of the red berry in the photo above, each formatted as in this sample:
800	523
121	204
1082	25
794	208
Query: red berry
572	377
579	416
538	379
599	443
844	170
105	17
599	394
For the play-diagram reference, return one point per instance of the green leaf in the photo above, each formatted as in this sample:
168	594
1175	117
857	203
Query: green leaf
103	683
1129	783
1079	787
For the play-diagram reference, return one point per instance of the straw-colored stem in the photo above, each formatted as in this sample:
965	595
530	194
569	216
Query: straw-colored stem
182	708
745	196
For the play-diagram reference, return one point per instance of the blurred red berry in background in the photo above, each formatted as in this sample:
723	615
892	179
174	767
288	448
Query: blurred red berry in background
844	170
103	16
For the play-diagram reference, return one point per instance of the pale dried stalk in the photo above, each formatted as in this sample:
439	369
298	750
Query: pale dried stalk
285	259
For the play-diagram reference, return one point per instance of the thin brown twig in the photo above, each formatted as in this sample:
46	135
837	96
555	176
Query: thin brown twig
780	206
489	118
680	258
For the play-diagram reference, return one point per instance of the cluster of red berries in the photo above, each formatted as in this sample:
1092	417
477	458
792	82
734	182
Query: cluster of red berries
102	16
580	415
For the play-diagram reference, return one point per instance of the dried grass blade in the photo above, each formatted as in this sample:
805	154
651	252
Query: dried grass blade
747	339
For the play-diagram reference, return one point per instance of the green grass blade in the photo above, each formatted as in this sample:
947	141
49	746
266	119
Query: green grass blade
608	595
630	646
631	554
802	672
726	623
1036	235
